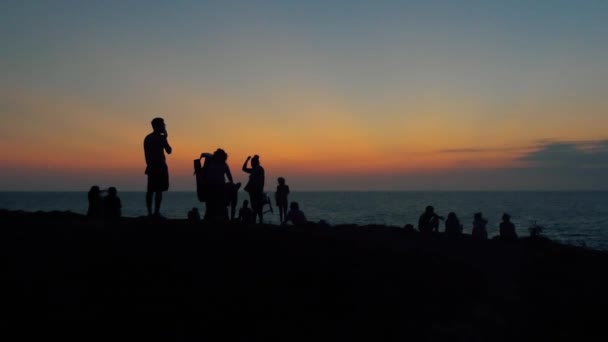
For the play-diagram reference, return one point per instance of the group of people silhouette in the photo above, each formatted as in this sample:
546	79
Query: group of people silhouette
221	196
215	184
428	223
107	207
218	195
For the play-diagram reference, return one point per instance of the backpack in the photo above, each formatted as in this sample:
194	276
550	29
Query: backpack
202	186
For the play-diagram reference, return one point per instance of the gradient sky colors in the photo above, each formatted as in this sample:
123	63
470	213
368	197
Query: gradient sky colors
357	95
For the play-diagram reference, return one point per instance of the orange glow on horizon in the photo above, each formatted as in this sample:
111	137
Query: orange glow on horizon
313	136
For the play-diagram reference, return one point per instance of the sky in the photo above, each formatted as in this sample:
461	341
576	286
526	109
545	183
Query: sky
332	95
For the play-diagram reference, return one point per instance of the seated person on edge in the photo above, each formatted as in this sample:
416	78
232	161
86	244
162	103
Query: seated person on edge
112	207
246	214
479	227
507	229
194	216
453	228
95	202
429	221
295	215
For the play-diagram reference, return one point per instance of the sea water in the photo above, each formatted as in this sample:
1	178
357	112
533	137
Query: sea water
579	218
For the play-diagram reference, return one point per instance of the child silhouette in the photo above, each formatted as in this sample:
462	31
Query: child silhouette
281	198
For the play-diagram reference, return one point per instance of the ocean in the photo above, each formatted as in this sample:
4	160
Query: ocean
577	218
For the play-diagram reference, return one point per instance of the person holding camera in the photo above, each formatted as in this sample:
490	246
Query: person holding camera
255	185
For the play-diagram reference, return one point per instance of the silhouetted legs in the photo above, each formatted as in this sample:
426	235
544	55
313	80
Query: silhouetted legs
282	211
257	203
157	201
232	211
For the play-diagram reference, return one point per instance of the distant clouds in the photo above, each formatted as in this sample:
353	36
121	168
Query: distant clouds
570	154
544	165
551	153
479	150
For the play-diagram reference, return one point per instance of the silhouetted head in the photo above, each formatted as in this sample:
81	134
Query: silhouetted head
430	209
112	191
255	161
281	181
452	216
220	155
506	217
94	190
194	209
477	216
245	203
158	125
294	206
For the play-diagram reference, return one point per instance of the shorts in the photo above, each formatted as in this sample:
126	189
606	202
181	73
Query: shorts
158	179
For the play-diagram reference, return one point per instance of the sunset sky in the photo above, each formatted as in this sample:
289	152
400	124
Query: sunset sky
333	95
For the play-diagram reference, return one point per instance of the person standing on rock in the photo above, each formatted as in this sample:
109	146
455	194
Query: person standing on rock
255	185
155	146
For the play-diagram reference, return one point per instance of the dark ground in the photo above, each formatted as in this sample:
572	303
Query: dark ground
64	276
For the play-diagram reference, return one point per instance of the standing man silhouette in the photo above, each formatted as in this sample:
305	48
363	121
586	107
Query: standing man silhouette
155	145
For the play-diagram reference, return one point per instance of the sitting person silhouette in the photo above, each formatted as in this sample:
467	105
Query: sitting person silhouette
507	229
295	215
429	221
479	227
281	198
95	202
112	207
194	216
409	228
246	214
453	228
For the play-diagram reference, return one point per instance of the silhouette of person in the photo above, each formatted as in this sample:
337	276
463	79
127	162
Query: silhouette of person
246	214
479	227
409	228
453	228
216	174
281	198
429	221
155	146
295	215
507	229
255	185
112	207
95	209
194	216
233	197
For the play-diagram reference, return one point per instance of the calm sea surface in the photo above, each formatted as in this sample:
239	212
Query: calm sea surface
579	218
